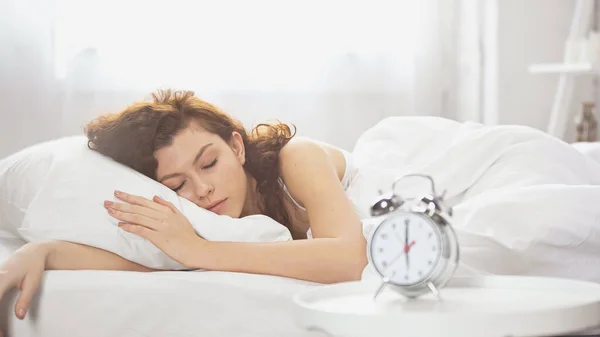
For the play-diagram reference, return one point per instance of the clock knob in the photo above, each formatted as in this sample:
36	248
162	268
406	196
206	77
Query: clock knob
388	202
436	204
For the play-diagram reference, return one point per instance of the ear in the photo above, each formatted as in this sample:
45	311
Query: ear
237	145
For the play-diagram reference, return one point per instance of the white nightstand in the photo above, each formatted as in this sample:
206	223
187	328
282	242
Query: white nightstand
487	306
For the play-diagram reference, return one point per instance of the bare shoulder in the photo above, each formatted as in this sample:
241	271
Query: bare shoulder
307	150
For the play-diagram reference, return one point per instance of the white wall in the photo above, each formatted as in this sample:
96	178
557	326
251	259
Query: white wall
60	65
516	34
527	31
27	107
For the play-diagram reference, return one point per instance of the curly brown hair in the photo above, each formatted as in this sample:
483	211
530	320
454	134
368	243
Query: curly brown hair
132	137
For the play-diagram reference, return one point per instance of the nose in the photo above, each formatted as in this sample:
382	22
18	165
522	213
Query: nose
203	189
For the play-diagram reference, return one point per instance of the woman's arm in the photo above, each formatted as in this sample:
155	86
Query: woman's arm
64	255
323	260
338	251
24	269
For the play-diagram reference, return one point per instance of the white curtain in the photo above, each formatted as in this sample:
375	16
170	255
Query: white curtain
333	68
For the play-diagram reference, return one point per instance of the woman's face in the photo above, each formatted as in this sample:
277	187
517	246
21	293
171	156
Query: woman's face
201	167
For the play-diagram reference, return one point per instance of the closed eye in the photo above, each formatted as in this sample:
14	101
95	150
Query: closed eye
179	187
213	163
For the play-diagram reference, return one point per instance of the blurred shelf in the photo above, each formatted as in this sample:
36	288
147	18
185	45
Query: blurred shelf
565	68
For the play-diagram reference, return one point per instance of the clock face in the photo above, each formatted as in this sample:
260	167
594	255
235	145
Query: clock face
406	248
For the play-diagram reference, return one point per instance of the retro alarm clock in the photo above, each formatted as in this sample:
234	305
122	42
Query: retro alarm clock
413	249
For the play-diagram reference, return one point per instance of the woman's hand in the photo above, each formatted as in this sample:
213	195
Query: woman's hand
24	270
158	221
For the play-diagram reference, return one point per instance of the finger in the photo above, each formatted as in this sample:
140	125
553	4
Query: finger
7	282
141	210
142	231
135	219
29	287
137	200
166	204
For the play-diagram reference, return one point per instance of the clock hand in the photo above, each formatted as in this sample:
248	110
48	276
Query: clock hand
394	260
406	248
398	237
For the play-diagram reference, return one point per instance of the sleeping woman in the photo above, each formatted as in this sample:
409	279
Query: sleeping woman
207	157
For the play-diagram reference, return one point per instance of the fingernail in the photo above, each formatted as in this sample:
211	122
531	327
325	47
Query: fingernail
111	211
21	313
118	193
108	203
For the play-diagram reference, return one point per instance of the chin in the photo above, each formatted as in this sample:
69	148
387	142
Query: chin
235	215
232	212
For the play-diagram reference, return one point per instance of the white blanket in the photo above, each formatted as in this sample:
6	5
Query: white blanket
525	203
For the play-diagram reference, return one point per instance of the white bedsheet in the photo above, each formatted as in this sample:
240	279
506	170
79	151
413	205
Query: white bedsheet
161	304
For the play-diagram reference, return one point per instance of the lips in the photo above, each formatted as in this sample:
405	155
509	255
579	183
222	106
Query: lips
216	206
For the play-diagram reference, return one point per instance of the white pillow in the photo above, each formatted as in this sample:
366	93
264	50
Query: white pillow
62	199
21	177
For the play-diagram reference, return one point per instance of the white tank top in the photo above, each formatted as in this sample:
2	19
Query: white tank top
349	174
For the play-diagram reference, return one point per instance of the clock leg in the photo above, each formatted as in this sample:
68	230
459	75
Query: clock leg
434	291
383	284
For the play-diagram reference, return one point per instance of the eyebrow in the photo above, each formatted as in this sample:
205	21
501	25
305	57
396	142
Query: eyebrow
202	149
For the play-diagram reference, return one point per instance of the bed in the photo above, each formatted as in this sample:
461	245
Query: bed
202	303
130	304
